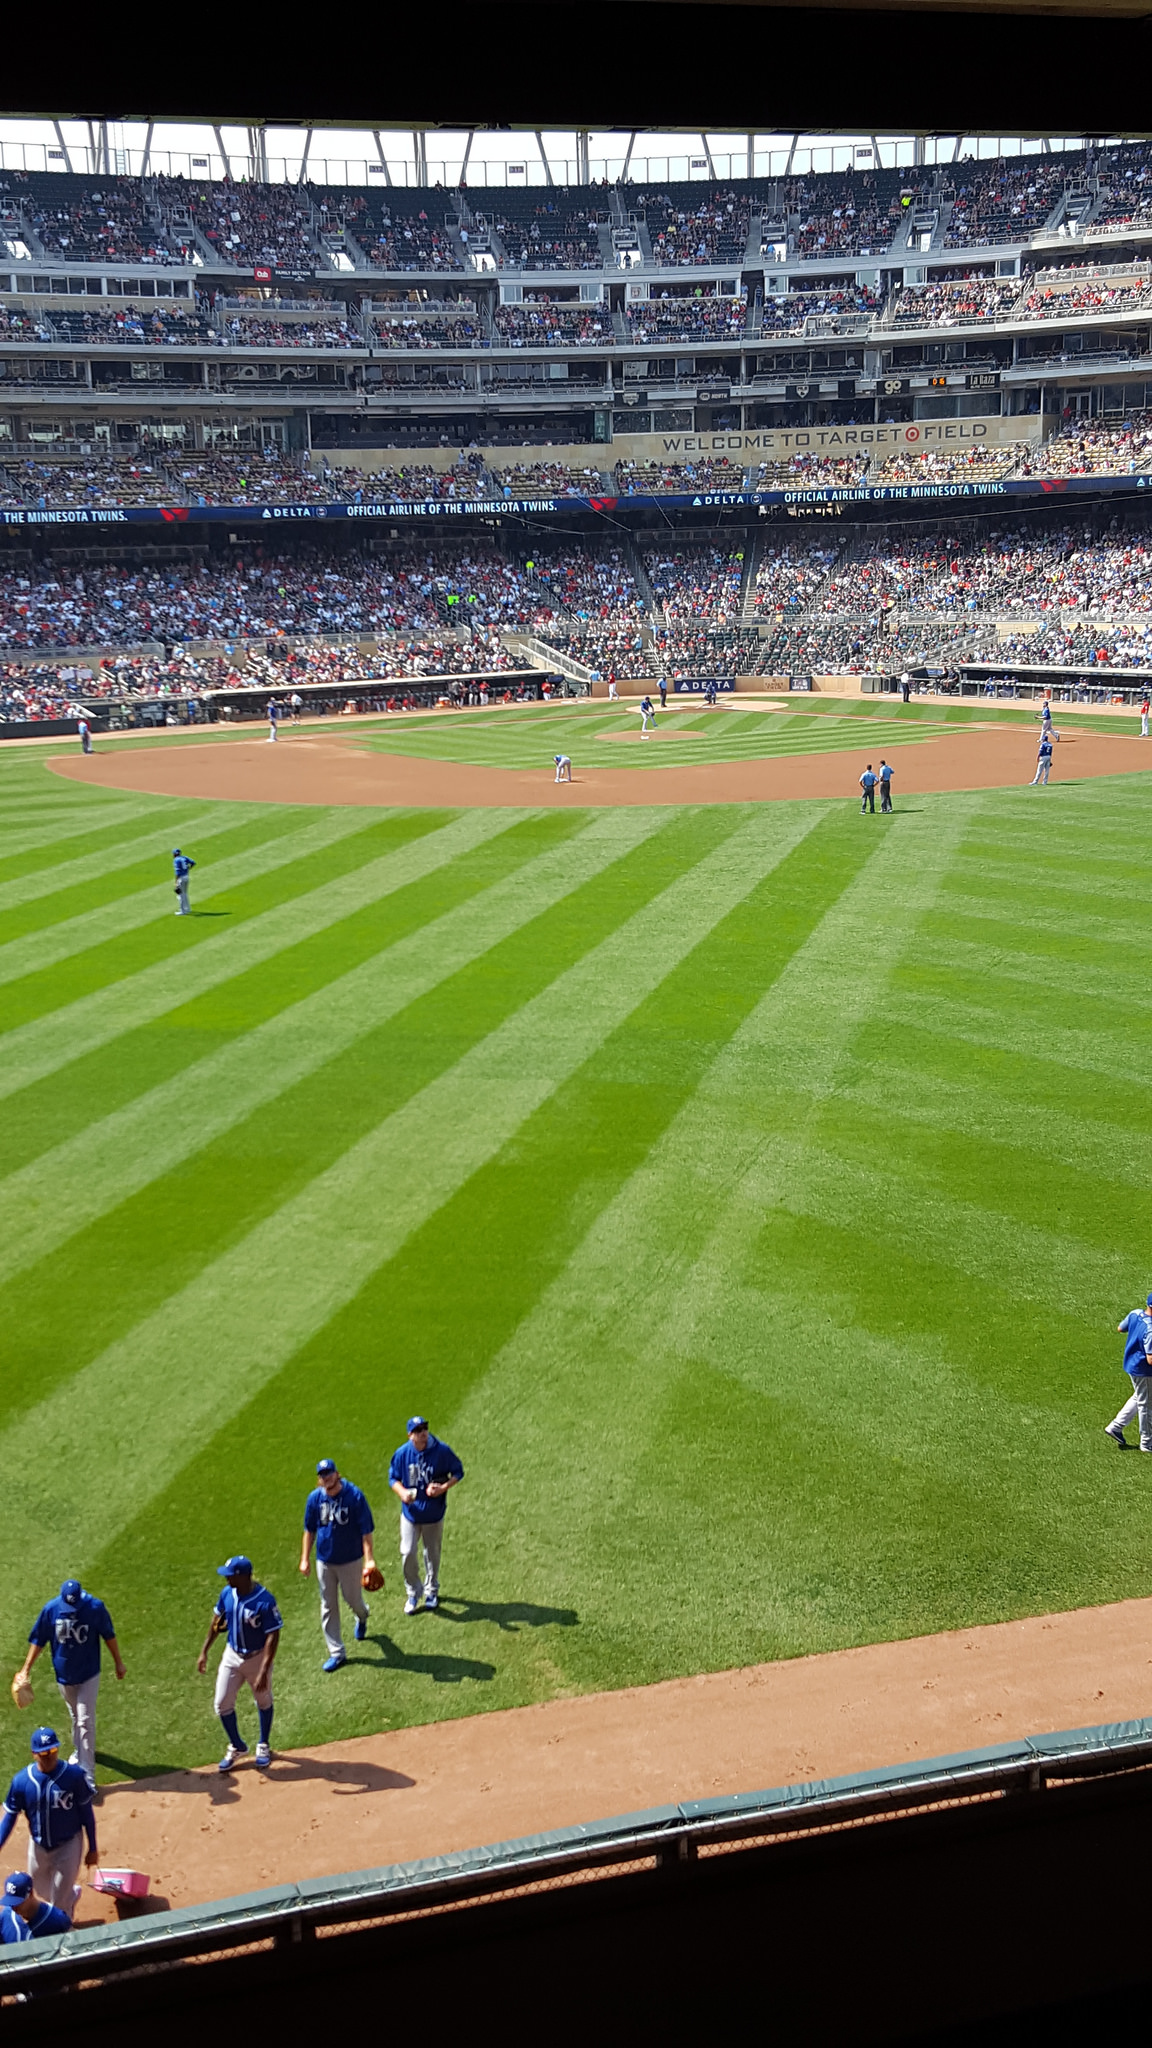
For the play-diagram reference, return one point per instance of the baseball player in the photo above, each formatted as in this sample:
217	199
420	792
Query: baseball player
273	715
885	787
647	714
563	767
296	705
1144	710
73	1626
24	1917
1136	1329
613	692
422	1472
338	1519
84	734
247	1613
56	1800
663	693
868	786
1043	760
182	865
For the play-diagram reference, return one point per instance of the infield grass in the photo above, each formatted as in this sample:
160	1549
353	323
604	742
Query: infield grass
748	1193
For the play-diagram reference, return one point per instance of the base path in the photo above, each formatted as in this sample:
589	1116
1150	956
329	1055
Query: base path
335	769
494	1777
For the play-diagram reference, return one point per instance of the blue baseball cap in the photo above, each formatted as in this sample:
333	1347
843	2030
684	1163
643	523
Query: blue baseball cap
42	1739
325	1466
1148	1301
17	1885
234	1567
71	1591
416	1422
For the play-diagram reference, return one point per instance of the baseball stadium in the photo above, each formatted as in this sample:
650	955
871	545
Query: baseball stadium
569	1335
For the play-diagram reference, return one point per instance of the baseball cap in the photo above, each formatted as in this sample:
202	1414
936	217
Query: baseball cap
71	1591
325	1466
234	1566
1148	1301
416	1422
17	1885
44	1738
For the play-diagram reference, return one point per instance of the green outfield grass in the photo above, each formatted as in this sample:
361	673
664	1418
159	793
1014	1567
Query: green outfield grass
748	1193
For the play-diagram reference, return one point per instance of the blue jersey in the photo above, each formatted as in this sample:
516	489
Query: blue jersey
182	865
1045	749
74	1634
339	1523
273	710
417	1468
885	773
57	1804
45	1920
867	780
12	1927
1138	1328
250	1620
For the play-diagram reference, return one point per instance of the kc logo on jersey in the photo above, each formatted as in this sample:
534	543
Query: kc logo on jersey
58	1797
334	1511
69	1631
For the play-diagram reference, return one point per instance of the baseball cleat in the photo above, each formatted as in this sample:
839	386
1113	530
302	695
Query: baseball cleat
1118	1437
334	1663
361	1628
233	1751
263	1756
411	1604
432	1600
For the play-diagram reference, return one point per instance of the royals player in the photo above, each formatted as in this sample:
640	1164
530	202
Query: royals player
56	1800
73	1626
247	1613
563	767
1136	1330
24	1917
422	1472
338	1519
182	865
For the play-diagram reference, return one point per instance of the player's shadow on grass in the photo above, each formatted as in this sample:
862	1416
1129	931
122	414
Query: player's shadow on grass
441	1670
509	1615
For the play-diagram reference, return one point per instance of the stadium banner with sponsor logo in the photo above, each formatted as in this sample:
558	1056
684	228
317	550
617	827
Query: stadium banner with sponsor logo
780	444
105	517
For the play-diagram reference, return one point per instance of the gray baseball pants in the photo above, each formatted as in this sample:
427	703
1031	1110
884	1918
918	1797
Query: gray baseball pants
333	1580
1139	1404
432	1536
80	1701
55	1872
184	909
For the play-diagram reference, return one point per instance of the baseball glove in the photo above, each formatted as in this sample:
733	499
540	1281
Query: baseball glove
22	1692
372	1578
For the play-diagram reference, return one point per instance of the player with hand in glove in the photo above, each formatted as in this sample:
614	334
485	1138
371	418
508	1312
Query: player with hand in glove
338	1520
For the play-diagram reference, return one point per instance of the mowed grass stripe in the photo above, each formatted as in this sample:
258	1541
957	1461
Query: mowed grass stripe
24	851
58	1194
192	1214
580	1145
250	851
151	851
50	1041
239	1321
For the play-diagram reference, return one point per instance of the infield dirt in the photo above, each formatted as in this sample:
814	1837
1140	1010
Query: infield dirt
311	768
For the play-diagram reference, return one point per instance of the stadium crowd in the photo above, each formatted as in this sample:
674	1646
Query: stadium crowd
540	322
694	318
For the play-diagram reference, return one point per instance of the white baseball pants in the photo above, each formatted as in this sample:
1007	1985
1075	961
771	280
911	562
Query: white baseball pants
80	1701
236	1671
182	888
55	1872
411	1534
334	1579
1140	1405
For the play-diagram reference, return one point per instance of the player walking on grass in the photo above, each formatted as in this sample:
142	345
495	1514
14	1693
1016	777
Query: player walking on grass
1043	761
885	786
247	1613
868	786
182	866
563	767
73	1626
56	1800
423	1471
1136	1329
338	1519
84	735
